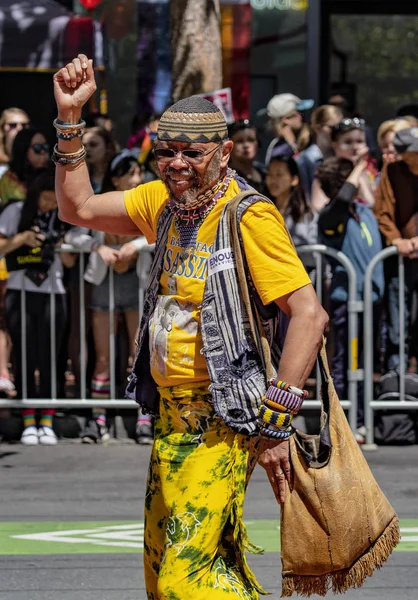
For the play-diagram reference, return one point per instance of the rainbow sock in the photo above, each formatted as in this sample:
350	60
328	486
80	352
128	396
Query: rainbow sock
99	415
100	388
29	420
143	418
46	421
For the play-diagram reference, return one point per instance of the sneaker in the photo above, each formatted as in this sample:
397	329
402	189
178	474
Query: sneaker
94	433
47	436
30	436
143	433
360	435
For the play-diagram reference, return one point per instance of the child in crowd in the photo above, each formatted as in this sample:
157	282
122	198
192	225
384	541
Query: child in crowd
347	223
121	252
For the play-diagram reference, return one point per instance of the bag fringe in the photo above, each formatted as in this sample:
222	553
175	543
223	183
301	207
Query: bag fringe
354	577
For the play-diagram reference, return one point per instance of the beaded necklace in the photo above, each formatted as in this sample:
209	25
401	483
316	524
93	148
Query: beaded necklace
188	220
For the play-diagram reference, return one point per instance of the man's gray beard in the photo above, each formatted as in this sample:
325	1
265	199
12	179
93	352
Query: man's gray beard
200	186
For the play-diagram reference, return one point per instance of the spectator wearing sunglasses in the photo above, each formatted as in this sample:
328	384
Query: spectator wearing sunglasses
12	120
244	136
348	140
30	155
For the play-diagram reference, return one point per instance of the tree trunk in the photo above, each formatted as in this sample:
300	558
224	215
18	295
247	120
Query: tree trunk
196	47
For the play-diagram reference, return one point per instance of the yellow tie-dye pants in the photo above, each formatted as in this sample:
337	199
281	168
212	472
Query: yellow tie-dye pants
195	539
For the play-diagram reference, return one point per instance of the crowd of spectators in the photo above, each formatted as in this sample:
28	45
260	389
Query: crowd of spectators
324	173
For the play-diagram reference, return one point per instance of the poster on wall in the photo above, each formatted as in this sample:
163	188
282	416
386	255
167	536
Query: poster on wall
223	100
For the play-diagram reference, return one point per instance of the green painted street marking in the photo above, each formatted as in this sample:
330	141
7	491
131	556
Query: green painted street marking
98	537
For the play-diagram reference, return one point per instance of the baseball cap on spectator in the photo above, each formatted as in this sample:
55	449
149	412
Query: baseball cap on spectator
283	104
406	140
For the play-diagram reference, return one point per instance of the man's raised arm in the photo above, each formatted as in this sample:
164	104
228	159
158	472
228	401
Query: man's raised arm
74	84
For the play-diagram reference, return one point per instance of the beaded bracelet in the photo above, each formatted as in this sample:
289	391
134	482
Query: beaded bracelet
67	136
68	158
273	429
279	435
284	398
271	417
282	385
279	407
69	131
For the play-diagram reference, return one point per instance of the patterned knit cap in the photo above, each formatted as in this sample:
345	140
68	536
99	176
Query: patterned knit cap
191	120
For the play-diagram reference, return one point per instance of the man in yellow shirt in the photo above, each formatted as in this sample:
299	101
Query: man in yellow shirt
200	365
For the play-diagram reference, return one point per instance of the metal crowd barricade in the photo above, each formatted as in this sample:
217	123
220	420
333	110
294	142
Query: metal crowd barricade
83	402
370	405
318	251
354	374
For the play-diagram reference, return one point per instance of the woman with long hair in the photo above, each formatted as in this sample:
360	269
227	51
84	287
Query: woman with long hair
12	120
30	155
323	120
348	139
29	233
288	194
100	148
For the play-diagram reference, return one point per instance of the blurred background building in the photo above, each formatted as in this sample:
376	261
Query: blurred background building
363	50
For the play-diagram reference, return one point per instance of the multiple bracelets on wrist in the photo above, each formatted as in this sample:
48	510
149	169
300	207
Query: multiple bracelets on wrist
68	132
281	402
68	158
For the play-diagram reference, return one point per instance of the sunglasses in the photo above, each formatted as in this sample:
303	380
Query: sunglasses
15	125
349	125
166	155
39	148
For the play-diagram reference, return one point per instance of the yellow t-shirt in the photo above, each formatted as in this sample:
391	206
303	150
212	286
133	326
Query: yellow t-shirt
175	338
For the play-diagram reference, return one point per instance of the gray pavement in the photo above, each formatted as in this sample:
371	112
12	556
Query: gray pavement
82	483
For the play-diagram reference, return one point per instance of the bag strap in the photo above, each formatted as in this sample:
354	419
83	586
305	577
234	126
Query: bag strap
256	325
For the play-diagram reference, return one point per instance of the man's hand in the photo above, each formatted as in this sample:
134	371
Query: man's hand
275	459
74	84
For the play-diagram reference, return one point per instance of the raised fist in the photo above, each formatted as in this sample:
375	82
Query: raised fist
74	84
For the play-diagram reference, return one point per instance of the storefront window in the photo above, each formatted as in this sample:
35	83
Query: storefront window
278	49
375	57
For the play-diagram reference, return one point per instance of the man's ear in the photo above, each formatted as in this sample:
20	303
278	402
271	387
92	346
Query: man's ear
226	152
